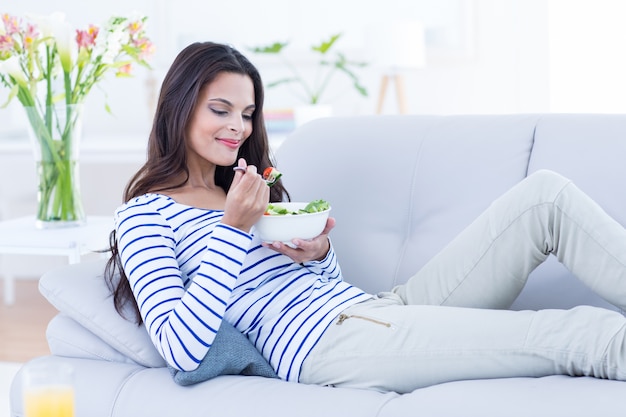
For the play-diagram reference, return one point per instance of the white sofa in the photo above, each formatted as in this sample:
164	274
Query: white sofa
401	187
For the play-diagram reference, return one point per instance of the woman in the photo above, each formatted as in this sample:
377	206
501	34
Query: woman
188	259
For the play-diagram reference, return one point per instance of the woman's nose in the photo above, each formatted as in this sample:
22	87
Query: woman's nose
237	124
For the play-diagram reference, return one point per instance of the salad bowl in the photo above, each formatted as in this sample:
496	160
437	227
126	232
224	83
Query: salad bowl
283	222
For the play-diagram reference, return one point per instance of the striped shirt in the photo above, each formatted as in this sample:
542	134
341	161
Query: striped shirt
188	272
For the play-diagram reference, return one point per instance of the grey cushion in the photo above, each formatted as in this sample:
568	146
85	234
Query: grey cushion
85	298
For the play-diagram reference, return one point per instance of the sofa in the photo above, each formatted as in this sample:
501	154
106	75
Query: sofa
401	187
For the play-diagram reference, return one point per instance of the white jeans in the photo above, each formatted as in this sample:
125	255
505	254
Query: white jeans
446	323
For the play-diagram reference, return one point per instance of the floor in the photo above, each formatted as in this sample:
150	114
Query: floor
23	324
22	333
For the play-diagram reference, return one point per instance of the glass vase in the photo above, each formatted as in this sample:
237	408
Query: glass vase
55	133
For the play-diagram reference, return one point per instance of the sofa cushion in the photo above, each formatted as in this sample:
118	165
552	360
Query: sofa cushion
446	171
69	339
85	298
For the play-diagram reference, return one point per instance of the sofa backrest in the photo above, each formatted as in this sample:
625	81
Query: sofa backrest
402	187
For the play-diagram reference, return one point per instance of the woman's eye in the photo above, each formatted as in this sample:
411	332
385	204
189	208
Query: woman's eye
247	116
219	112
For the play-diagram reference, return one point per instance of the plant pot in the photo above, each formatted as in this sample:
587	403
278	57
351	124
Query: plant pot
55	134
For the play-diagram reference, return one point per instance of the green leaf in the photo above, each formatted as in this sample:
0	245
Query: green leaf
12	94
326	45
274	48
316	206
362	90
281	81
144	64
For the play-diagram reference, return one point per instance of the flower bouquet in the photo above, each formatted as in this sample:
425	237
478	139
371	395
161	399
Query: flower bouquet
50	68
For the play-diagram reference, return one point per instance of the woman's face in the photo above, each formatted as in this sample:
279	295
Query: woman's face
222	119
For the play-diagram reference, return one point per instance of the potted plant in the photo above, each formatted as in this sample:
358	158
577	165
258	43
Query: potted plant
329	63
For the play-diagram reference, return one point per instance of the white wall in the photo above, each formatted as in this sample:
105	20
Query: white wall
506	71
484	56
588	56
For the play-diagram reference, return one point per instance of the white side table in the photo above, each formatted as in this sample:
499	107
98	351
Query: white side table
21	236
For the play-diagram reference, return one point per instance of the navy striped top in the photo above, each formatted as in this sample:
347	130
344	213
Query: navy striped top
188	272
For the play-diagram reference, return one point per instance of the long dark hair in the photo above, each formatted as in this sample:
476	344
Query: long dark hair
195	66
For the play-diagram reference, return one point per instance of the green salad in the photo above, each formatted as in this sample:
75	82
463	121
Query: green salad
314	206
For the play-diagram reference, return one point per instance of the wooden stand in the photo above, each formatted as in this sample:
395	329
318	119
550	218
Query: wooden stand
400	94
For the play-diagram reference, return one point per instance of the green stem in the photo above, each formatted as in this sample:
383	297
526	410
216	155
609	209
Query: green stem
309	94
57	169
323	85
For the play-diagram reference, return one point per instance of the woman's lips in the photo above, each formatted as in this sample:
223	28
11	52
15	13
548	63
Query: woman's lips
231	143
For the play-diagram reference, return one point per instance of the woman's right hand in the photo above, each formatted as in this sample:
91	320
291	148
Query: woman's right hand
247	198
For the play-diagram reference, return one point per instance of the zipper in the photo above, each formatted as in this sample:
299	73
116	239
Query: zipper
343	317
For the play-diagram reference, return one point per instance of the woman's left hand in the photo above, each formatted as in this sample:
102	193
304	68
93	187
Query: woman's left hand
315	249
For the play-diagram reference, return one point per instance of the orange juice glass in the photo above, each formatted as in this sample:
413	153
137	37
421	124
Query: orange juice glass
48	390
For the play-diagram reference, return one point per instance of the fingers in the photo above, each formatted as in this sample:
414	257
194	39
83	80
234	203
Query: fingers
240	169
251	183
303	250
243	168
247	197
330	224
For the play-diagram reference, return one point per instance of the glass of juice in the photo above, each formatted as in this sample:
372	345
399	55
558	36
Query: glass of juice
48	390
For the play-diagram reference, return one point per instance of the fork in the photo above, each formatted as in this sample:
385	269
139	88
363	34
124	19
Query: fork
268	182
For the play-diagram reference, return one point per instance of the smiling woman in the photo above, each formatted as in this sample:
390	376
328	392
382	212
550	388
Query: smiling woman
221	122
187	225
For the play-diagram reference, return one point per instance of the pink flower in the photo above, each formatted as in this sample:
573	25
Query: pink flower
11	24
6	43
87	38
83	56
135	27
124	70
30	35
146	48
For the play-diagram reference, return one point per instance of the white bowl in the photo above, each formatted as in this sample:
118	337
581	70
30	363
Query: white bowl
285	228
